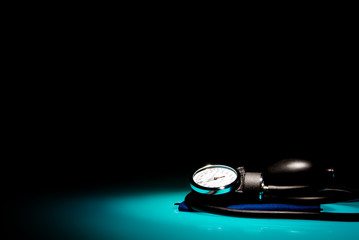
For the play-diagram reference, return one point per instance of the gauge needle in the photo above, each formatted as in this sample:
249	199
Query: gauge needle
215	178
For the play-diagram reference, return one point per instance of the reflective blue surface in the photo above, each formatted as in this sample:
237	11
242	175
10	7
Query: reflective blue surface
154	216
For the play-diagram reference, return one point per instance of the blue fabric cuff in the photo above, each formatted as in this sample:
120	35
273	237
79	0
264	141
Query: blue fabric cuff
264	207
276	207
183	208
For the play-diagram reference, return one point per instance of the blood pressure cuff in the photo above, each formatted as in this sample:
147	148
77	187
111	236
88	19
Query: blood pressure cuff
263	207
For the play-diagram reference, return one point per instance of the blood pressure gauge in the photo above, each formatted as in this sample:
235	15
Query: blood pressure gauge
215	179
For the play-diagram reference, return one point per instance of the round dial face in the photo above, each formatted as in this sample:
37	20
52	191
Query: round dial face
215	176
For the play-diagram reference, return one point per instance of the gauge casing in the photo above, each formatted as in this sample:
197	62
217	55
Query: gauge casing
232	186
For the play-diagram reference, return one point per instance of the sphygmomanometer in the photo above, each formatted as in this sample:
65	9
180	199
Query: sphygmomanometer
291	188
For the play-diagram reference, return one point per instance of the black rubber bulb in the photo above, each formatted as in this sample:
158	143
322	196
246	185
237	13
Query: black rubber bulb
295	172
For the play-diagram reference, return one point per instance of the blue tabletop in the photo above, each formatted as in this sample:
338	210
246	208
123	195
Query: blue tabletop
153	215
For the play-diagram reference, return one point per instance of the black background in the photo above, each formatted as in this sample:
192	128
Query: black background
72	142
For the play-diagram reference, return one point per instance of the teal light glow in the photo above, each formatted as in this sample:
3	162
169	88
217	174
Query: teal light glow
138	216
221	191
260	196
